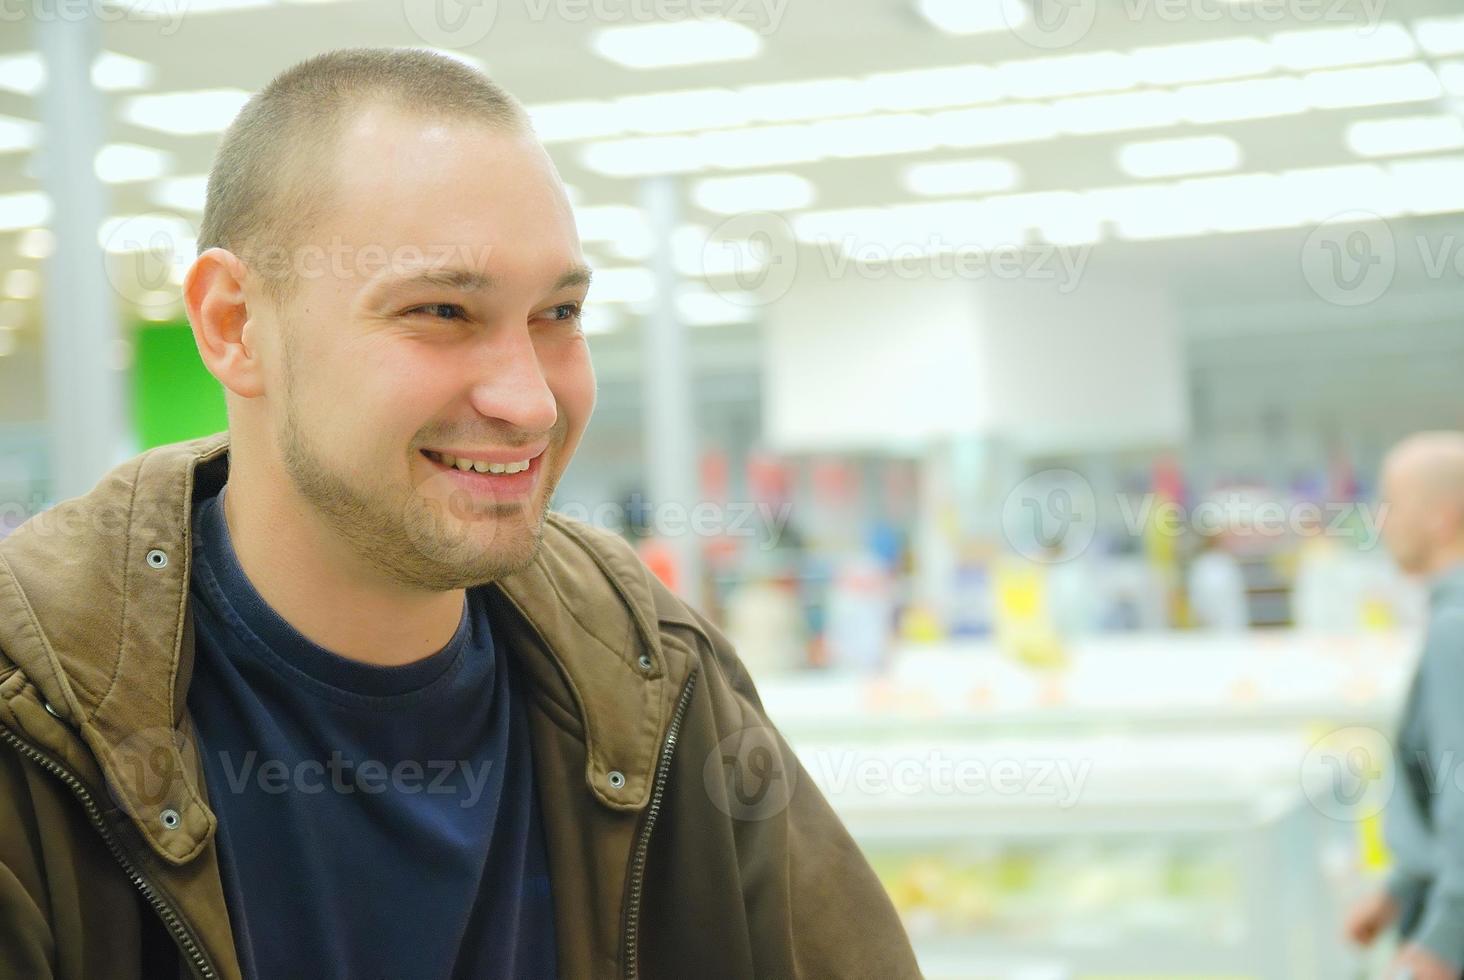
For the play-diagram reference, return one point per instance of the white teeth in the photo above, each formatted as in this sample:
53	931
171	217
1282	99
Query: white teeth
479	466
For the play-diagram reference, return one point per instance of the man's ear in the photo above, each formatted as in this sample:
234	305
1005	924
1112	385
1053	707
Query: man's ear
213	292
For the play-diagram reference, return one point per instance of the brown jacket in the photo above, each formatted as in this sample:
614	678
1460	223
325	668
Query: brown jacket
641	713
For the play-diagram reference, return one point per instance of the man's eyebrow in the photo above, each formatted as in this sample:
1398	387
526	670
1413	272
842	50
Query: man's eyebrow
470	280
466	280
577	276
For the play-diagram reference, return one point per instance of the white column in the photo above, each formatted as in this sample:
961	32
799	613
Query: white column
84	407
666	400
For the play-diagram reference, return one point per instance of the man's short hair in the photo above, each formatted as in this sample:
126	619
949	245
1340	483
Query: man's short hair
272	176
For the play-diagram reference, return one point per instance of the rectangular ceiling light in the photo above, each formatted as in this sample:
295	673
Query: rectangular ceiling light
1401	135
1074	74
1202	61
24	209
1115	113
645	156
1451	76
113	72
558	122
1322	192
25	73
1334	46
1383	85
622	284
933	88
1440	35
957	177
995	126
870	136
120	163
1259	98
17	134
1169	158
820	98
760	146
677	112
181	193
755	192
668	45
186	113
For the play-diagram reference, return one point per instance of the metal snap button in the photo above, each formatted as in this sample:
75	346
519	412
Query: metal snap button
617	779
51	711
170	819
645	661
157	559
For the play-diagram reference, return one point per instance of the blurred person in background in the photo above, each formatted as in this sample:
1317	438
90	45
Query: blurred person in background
364	566
1423	528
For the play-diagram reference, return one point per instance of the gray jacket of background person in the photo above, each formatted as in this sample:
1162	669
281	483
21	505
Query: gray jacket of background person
1424	821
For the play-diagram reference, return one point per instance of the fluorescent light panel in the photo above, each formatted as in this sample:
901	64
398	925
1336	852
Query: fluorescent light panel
669	45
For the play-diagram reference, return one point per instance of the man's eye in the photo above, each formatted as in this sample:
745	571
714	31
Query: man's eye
565	311
441	311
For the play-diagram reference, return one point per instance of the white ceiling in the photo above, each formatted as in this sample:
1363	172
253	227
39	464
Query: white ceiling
542	51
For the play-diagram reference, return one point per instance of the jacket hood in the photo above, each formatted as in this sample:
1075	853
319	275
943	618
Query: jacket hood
94	610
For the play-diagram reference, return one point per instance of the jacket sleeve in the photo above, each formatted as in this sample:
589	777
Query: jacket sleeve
814	906
1441	929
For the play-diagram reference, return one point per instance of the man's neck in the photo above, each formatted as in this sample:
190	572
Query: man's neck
321	588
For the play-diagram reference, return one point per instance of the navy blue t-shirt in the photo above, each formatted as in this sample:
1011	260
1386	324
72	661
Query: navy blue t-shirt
375	823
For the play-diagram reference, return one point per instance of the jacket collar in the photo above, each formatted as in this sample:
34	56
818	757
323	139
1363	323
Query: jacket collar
94	609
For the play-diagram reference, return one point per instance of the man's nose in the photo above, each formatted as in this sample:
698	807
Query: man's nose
511	384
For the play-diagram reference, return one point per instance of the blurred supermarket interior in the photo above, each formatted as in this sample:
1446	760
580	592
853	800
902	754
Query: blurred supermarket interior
1011	391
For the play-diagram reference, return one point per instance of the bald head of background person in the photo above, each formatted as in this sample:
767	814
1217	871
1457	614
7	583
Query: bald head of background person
1423	489
1423	528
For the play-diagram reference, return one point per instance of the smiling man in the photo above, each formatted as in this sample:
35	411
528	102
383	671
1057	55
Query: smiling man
332	694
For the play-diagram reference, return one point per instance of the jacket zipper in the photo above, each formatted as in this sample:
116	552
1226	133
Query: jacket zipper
638	860
181	933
